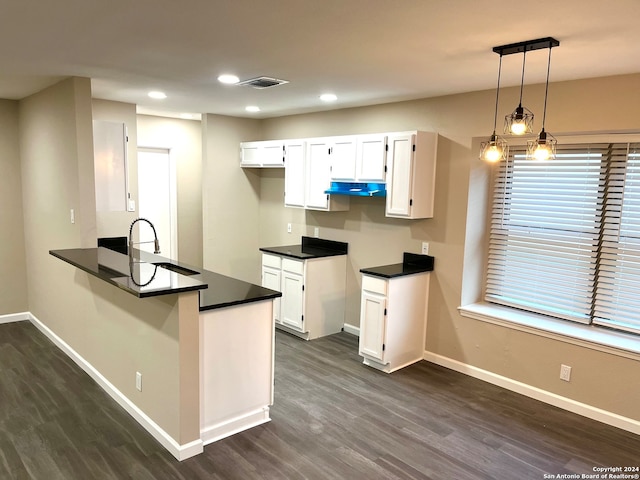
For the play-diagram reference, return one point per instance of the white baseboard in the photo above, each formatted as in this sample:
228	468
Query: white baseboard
589	411
181	452
352	329
14	317
235	425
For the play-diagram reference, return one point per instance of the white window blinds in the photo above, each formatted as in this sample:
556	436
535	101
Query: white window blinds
565	235
617	300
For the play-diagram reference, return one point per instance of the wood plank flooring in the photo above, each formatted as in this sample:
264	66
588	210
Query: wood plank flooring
333	418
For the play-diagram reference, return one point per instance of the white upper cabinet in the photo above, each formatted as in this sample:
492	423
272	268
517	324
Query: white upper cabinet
411	166
371	156
343	158
404	161
318	174
307	175
399	163
294	173
268	154
358	158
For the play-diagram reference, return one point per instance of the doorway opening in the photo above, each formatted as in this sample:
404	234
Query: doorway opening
157	197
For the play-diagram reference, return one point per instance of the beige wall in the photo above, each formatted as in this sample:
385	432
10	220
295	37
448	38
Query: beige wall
592	105
116	224
13	280
114	331
230	199
183	138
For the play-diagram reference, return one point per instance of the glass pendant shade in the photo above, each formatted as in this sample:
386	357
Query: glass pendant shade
495	150
520	122
542	148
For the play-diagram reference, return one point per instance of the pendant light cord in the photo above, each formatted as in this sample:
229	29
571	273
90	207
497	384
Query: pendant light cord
495	115
524	59
546	90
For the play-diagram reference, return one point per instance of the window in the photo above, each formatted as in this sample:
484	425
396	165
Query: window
565	235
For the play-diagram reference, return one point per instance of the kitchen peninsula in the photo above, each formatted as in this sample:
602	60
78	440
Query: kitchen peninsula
198	365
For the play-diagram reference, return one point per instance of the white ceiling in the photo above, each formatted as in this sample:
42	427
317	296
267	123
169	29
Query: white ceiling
364	51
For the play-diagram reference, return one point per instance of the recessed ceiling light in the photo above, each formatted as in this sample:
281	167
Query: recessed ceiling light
157	95
252	108
230	79
328	97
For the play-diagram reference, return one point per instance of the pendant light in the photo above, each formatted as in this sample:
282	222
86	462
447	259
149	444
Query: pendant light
496	148
520	122
543	147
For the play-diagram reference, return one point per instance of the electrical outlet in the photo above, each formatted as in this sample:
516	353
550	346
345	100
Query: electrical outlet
316	232
565	373
139	381
288	228
425	248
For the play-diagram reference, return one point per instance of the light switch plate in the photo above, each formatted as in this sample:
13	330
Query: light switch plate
132	205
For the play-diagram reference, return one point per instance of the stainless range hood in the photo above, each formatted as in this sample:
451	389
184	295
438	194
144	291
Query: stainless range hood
358	189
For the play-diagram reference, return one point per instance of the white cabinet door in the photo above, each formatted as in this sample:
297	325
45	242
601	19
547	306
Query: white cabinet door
271	279
272	154
372	325
343	159
292	300
294	174
318	175
250	154
399	175
371	158
262	154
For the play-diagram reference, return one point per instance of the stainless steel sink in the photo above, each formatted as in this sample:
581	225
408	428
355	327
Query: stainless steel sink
176	268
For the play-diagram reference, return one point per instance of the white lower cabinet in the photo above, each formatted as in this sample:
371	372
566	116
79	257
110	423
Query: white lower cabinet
393	320
313	293
293	294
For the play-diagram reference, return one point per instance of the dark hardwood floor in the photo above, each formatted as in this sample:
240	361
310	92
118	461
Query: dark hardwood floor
333	418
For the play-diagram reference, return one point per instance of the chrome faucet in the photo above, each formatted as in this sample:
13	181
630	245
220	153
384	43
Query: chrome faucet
156	243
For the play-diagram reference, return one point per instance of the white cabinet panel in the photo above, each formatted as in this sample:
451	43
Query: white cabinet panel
250	154
294	174
343	158
399	174
292	300
372	325
371	158
273	154
268	153
318	175
271	279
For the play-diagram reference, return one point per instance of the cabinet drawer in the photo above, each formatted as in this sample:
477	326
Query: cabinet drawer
293	266
374	284
271	260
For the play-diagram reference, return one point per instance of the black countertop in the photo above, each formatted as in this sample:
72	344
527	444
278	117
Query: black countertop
412	263
144	279
310	248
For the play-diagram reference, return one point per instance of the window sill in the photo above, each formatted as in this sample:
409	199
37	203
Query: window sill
596	338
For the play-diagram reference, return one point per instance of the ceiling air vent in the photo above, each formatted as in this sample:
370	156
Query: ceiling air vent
263	82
